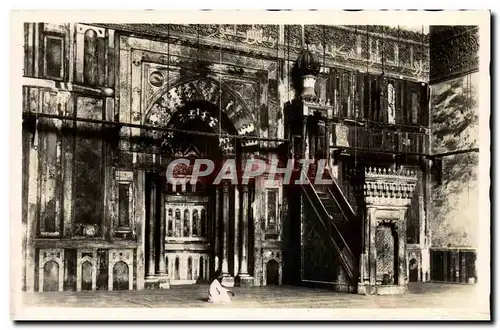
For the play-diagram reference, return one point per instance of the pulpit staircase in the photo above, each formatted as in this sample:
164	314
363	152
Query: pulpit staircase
336	217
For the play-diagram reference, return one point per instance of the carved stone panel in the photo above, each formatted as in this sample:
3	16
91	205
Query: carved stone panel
121	269
386	245
272	267
86	269
51	270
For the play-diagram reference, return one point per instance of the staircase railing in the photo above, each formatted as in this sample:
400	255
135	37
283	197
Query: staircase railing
341	200
334	234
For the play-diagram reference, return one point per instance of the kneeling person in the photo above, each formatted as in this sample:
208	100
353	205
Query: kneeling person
217	293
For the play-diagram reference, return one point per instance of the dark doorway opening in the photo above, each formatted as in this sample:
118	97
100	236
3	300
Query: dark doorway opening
272	272
413	270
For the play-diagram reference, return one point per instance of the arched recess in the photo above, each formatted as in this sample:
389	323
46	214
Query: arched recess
190	268
50	275
177	269
51	270
120	276
209	100
87	277
201	269
272	272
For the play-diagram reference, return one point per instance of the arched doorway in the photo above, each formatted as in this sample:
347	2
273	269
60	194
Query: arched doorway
413	270
272	272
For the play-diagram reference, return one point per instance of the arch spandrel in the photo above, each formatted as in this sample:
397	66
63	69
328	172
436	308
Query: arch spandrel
178	95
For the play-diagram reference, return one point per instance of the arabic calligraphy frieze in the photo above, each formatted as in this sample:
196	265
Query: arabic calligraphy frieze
257	34
354	46
184	28
402	52
261	33
201	59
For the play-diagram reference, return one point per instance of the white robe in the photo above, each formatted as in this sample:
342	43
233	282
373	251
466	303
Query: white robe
217	293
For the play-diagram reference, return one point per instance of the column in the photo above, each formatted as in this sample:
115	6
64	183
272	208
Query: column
463	267
402	269
322	148
244	237
366	245
327	142
372	263
163	268
140	192
313	138
173	223
236	229
445	266
152	216
457	266
225	224
217	231
362	269
421	219
191	221
305	149
451	268
33	184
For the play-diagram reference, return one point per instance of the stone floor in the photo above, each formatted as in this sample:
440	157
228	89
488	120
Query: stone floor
421	295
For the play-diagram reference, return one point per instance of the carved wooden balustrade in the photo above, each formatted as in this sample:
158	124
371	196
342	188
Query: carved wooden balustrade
390	139
388	186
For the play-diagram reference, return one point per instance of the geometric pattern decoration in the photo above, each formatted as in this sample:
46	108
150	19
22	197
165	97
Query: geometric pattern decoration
197	91
318	259
51	270
121	269
385	244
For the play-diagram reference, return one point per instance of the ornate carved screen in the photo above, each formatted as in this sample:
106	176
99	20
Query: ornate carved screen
187	249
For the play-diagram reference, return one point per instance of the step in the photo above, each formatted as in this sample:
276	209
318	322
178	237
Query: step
328	202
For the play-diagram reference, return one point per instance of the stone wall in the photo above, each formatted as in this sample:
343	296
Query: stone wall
454	126
454	207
